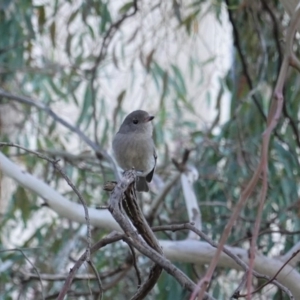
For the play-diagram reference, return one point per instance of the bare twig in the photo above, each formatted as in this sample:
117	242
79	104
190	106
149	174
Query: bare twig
110	238
137	218
33	266
50	112
100	153
294	62
158	200
132	237
190	226
97	277
286	256
58	203
273	118
56	277
272	280
241	285
74	188
134	260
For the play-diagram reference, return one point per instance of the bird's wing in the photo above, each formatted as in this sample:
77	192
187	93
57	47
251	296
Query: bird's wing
150	175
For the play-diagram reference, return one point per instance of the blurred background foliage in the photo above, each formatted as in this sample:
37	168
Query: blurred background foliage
68	55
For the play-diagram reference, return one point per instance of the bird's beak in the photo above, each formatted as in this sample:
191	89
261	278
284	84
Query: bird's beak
150	118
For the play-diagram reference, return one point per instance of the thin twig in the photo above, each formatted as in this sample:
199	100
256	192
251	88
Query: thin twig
33	266
239	261
272	279
58	168
158	200
134	260
137	218
132	237
98	278
273	118
294	62
110	238
50	112
127	195
100	153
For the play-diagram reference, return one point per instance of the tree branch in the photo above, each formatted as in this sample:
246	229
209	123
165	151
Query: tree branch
273	118
190	251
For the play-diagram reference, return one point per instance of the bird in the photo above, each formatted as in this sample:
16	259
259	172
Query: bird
133	147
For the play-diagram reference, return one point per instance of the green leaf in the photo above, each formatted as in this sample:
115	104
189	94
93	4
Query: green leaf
179	80
72	17
23	203
105	133
52	127
286	159
87	106
188	21
53	33
125	7
149	59
69	43
121	97
106	18
41	17
58	90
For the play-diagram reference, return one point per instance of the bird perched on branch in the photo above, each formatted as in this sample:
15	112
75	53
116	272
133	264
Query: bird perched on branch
133	147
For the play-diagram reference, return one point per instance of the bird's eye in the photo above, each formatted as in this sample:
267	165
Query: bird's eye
135	121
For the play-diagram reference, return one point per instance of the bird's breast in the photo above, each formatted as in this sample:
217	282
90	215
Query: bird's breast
134	151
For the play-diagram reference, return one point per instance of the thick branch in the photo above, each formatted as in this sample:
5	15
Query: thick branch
181	251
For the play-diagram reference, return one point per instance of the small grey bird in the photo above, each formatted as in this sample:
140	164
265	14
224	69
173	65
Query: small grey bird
133	147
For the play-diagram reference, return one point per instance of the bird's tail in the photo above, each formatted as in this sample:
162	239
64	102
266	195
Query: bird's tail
141	184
